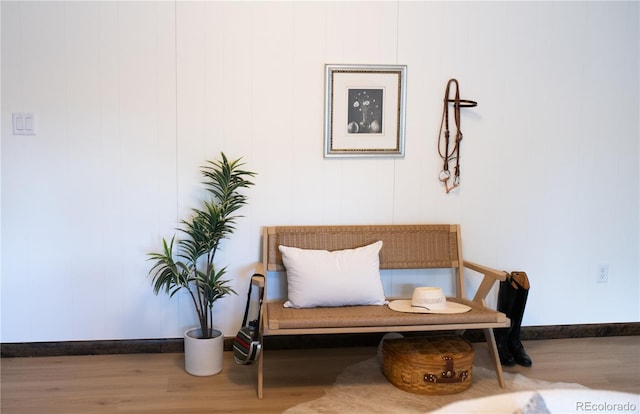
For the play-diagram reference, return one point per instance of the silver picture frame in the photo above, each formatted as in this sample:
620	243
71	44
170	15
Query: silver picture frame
364	110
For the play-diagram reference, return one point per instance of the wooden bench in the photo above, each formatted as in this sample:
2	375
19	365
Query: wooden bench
421	246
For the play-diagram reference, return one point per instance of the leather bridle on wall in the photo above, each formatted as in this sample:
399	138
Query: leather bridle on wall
448	154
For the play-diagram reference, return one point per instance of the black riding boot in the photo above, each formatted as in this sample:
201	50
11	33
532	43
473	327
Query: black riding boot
517	312
506	300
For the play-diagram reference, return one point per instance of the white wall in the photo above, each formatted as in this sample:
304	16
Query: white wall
131	98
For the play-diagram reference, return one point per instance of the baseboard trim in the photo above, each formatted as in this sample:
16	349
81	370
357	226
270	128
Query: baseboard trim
138	346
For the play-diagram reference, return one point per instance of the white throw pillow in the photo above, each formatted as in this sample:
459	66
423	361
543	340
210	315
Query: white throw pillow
340	278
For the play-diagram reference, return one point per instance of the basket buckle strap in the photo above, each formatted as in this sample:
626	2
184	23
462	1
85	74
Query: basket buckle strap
448	376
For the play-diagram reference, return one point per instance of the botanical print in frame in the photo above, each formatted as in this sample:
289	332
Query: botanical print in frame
364	110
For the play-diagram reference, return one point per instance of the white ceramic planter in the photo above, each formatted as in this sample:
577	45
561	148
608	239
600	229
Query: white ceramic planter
203	357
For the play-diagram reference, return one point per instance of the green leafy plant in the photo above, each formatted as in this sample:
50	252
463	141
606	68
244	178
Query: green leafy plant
188	263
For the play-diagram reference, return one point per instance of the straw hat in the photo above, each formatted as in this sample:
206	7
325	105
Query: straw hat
427	300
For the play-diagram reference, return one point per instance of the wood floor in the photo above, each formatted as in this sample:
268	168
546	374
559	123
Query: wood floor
157	383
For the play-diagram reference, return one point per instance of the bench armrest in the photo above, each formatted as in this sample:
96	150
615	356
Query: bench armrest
490	276
258	278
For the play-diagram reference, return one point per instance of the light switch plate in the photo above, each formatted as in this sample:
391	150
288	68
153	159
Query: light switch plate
24	123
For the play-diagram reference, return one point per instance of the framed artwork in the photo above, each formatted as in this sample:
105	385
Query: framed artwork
364	110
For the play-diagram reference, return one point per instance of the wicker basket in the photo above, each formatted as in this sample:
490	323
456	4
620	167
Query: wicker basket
434	365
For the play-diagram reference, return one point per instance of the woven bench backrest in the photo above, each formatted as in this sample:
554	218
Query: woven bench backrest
412	246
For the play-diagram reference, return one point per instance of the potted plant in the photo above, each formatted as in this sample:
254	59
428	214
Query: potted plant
188	263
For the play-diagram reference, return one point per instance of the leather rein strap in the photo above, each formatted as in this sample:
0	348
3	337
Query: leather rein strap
451	152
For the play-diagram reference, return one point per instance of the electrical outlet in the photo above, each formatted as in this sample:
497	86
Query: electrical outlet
602	273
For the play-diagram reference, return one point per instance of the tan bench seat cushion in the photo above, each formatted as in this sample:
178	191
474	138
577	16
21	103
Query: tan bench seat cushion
371	316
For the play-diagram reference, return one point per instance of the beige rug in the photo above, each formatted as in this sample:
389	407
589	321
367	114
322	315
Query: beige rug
362	388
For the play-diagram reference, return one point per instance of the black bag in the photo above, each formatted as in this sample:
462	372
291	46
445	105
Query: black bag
246	345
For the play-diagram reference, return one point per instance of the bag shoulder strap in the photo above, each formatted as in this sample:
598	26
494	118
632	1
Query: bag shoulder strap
256	276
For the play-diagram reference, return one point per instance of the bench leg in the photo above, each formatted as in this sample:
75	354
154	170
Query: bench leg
261	372
493	350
